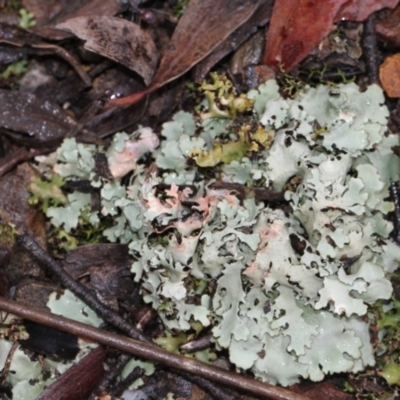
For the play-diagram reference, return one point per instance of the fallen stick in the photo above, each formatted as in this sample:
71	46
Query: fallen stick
149	352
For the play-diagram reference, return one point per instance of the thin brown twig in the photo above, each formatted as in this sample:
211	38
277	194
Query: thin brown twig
7	364
110	376
149	352
260	193
119	388
22	154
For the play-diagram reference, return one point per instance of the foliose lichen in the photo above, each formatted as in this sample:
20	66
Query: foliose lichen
287	293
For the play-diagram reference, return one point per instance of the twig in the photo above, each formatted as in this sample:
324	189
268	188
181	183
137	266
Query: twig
197	345
110	376
243	191
29	244
22	154
394	191
370	48
148	351
7	363
121	386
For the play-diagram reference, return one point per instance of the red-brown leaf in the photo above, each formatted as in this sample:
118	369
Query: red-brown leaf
297	26
78	381
360	10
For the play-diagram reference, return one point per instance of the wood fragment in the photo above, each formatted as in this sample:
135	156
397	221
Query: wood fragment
370	50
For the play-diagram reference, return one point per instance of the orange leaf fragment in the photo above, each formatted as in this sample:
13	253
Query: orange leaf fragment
389	75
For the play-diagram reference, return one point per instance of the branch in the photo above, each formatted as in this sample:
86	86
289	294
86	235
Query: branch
149	352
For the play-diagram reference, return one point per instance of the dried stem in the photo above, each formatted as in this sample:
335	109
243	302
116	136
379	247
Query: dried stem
149	352
22	154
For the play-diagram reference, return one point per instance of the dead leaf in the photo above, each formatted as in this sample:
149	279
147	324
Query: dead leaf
203	26
297	26
109	268
16	210
388	28
118	39
41	122
321	390
49	341
71	9
360	10
389	75
31	43
78	382
259	18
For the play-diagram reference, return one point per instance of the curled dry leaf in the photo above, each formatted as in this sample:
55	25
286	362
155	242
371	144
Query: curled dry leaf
203	26
28	43
49	17
389	75
297	26
120	40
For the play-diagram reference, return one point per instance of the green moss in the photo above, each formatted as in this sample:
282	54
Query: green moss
26	19
15	69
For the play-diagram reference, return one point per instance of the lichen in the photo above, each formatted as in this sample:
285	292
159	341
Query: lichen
286	293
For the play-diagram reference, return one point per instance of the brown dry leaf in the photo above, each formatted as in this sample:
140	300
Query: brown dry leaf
118	39
388	28
29	43
203	26
389	75
259	18
108	265
79	381
41	122
69	10
321	390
